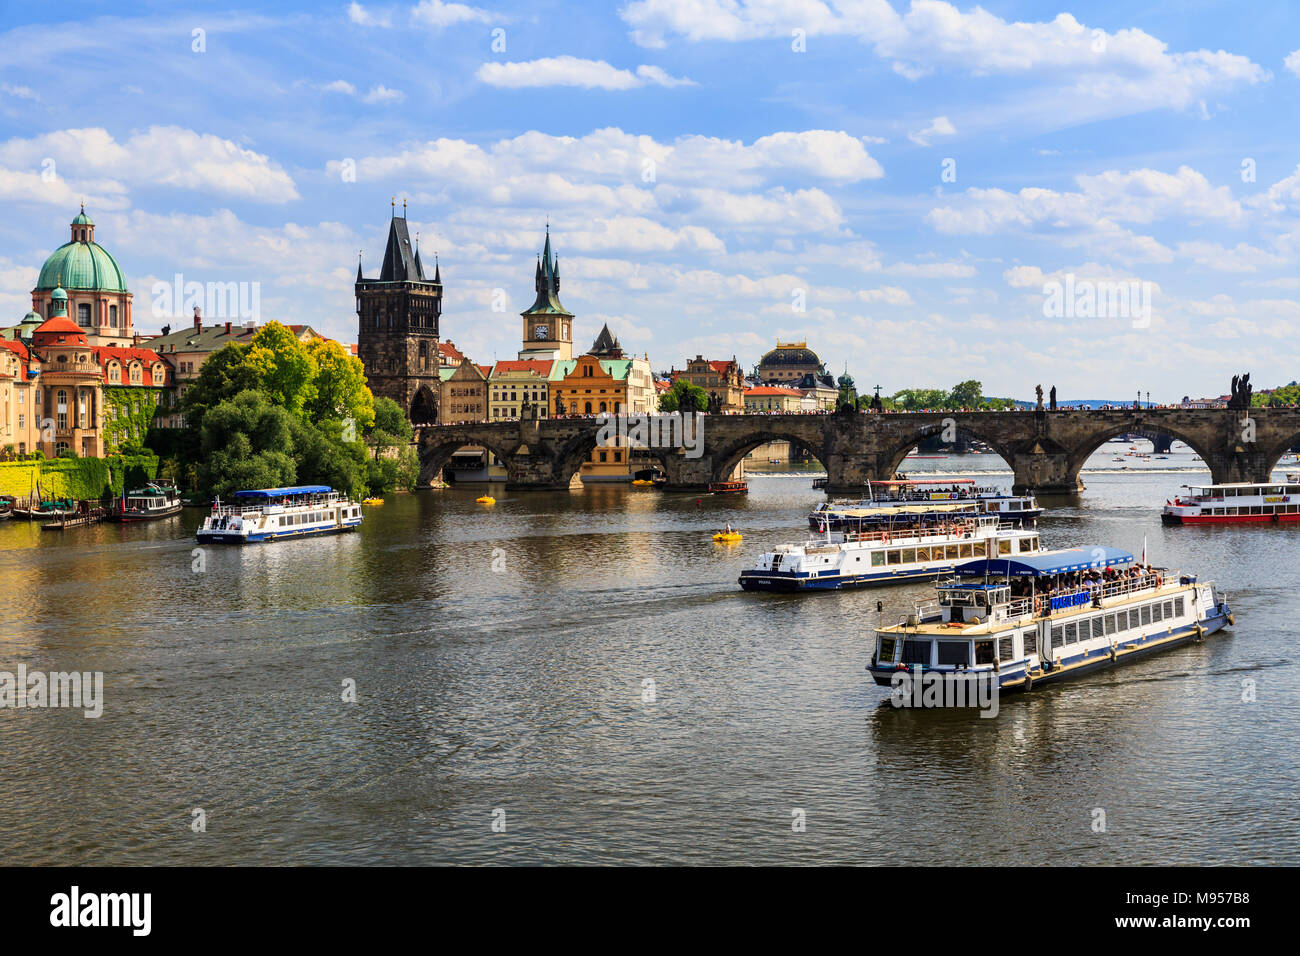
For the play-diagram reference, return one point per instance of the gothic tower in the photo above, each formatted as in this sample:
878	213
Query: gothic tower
548	325
397	333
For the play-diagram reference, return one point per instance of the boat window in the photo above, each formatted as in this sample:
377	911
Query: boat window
1004	546
954	652
909	556
894	557
1031	642
1146	613
978	549
887	645
966	551
1178	605
1058	636
916	651
1005	649
1097	627
1071	636
1169	609
1156	612
984	652
1110	623
1013	506
923	554
877	559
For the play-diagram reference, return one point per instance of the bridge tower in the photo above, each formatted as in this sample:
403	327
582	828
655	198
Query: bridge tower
397	325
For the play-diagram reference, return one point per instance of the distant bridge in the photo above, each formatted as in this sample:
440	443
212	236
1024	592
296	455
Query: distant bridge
1045	449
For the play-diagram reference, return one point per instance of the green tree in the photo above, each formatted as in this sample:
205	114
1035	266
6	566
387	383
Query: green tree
285	368
223	376
323	456
339	385
247	442
968	394
684	397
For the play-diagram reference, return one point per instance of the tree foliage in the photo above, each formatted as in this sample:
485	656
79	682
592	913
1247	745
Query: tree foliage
684	397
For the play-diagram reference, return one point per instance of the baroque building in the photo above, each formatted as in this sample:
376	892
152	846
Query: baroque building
398	315
98	301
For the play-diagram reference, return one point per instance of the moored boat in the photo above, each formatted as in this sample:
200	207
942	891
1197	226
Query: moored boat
149	503
924	499
1021	621
269	514
728	487
1234	503
839	560
6	506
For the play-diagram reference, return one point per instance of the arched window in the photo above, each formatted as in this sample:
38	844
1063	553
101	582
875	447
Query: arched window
588	411
61	406
602	407
112	316
135	373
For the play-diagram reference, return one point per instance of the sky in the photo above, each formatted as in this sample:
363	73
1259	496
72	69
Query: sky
925	192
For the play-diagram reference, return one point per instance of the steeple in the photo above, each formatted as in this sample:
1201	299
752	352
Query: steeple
399	256
547	281
360	277
437	272
606	346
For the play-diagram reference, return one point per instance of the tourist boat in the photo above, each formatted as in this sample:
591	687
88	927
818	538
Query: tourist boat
1235	503
857	559
269	514
6	506
927	499
728	487
1069	612
149	503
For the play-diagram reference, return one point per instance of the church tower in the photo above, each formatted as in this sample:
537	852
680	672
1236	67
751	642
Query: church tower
548	325
397	331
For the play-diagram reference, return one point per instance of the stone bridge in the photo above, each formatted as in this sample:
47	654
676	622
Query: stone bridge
1045	449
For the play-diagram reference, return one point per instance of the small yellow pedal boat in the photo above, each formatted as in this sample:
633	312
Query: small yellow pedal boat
372	501
485	500
728	537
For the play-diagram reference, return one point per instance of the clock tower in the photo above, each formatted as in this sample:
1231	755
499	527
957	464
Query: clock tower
548	325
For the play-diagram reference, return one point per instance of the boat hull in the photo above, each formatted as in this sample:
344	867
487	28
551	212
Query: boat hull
791	583
130	517
260	537
1177	519
1068	667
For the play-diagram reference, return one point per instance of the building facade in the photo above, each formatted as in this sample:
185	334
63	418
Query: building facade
463	394
398	316
773	398
516	384
721	379
98	300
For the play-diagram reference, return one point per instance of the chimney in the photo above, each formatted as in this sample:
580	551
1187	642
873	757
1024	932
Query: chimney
198	320
227	328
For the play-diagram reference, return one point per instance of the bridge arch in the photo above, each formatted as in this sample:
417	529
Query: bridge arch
436	452
1083	448
896	453
727	455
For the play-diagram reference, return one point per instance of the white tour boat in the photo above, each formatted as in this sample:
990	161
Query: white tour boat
929	499
857	559
1022	621
272	513
1234	503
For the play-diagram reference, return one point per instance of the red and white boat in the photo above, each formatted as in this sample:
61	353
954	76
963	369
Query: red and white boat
1235	503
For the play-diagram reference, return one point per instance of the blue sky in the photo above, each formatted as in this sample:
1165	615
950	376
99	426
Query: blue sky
914	176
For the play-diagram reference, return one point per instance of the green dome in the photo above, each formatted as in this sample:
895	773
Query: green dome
82	265
82	219
32	318
58	293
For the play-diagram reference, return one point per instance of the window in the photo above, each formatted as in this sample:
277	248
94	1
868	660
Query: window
1097	627
83	314
984	651
1146	613
61	401
954	652
1058	637
916	652
1031	642
1071	634
112	316
1005	649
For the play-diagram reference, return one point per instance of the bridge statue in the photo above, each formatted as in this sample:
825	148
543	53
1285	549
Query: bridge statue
1038	390
1052	399
1241	392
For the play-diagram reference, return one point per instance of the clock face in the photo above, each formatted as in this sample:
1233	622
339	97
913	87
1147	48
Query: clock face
542	332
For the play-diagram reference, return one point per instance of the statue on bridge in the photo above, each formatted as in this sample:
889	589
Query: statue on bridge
1038	390
876	404
559	406
1241	391
1052	398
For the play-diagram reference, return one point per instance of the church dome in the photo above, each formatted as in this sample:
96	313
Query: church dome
82	265
794	353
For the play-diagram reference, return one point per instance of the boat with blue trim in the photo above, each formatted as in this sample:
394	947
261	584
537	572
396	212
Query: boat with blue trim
269	514
923	499
1017	622
838	560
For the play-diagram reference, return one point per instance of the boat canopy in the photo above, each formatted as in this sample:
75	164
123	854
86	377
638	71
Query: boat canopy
285	492
928	481
1045	563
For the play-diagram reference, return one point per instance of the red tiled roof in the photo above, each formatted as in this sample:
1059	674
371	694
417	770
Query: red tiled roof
56	330
19	349
449	350
773	390
125	356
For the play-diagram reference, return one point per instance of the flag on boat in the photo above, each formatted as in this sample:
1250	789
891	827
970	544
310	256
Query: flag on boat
1144	550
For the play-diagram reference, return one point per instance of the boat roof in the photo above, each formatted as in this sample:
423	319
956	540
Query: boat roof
928	481
1045	563
285	492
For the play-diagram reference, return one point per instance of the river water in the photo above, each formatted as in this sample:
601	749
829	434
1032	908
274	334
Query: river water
503	660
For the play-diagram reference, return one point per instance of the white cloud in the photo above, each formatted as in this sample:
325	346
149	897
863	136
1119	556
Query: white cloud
438	15
160	155
340	86
1292	62
574	71
382	94
363	17
890	295
939	126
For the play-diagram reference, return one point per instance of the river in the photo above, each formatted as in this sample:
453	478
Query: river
576	678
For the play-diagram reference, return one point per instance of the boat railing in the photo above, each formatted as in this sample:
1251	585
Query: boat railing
1099	591
962	529
261	505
